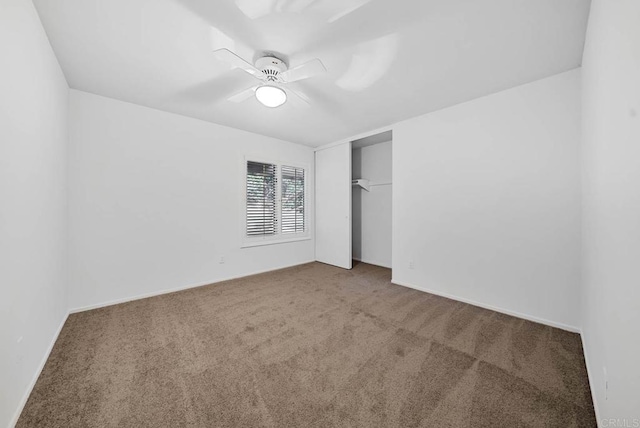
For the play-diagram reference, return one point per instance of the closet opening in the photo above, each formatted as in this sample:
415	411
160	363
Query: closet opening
371	185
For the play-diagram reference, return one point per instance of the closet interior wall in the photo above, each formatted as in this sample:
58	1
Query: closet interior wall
371	199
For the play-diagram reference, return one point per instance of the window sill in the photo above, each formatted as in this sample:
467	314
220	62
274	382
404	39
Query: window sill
274	241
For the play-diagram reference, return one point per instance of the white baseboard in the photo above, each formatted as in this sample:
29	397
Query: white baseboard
181	288
516	314
562	326
27	393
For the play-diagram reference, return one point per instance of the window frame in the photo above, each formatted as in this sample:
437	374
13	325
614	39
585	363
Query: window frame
279	237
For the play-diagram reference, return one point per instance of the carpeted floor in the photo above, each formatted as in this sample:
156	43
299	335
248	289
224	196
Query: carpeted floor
310	346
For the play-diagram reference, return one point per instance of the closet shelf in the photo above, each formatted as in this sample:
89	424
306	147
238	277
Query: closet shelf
361	182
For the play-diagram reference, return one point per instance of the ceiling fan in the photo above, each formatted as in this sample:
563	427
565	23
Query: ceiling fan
274	73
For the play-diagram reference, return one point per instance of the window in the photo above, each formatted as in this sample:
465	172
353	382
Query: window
292	211
275	203
261	199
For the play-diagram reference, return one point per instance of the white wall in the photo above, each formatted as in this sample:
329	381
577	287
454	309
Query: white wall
155	201
372	210
486	201
33	216
611	141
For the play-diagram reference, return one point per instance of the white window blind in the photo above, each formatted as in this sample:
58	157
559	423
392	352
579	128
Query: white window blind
262	181
293	203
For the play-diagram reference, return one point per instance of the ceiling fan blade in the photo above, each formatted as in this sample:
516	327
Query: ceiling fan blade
230	58
215	89
304	71
243	96
331	10
346	9
297	6
300	96
225	16
373	20
320	100
255	9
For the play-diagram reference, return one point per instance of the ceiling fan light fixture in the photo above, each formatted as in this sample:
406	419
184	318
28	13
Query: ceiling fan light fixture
271	96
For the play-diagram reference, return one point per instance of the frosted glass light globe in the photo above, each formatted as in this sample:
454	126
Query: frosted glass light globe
271	96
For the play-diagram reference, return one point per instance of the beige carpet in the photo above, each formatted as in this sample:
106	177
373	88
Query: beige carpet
311	346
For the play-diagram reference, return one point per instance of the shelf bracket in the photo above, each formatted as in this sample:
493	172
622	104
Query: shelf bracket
362	183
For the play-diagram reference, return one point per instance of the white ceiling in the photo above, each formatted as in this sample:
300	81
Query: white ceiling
387	60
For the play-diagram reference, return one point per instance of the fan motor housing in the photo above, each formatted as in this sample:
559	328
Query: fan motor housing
271	67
